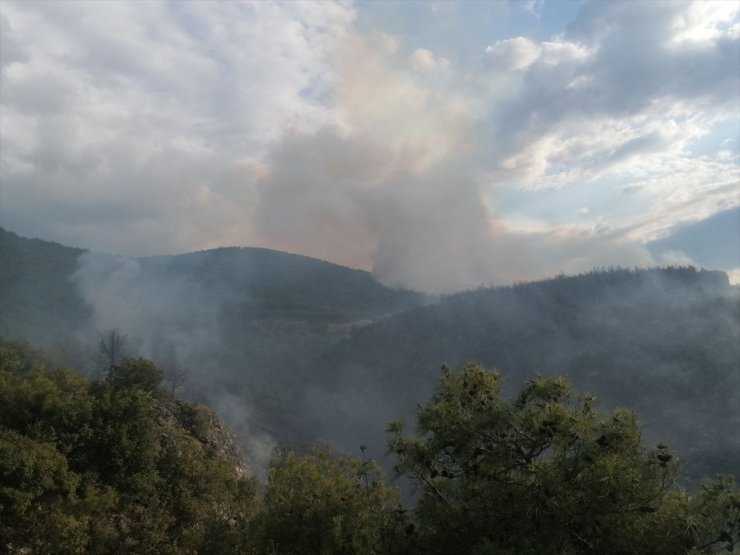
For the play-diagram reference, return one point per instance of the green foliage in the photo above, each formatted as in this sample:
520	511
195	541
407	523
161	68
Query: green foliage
211	503
49	405
195	419
124	444
134	373
110	467
29	470
320	504
120	467
545	474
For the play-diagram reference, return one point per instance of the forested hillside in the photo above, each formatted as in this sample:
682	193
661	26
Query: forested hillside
662	341
112	466
119	465
246	322
300	349
40	286
37	298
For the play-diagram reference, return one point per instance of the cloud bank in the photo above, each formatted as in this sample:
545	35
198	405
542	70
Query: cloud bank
164	127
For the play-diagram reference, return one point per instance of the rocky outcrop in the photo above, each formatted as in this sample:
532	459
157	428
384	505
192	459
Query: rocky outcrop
201	423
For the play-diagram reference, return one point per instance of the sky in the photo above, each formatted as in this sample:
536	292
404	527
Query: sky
440	145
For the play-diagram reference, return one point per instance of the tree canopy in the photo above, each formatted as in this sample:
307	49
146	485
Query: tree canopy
317	503
121	466
545	473
110	467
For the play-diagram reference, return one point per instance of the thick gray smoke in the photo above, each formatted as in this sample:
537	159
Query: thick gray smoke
359	202
154	309
173	319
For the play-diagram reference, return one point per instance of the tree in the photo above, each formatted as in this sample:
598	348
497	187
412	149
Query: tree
37	495
176	374
112	349
136	373
318	503
545	474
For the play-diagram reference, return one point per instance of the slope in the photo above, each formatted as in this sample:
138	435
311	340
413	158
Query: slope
37	299
42	293
665	342
246	322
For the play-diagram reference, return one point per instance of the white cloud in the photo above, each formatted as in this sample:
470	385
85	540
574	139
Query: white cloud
102	110
608	101
705	22
423	60
516	53
534	7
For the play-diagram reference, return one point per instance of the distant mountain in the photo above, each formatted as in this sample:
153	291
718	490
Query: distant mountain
282	285
40	298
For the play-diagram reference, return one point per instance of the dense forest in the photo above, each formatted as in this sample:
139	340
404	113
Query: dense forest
119	465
